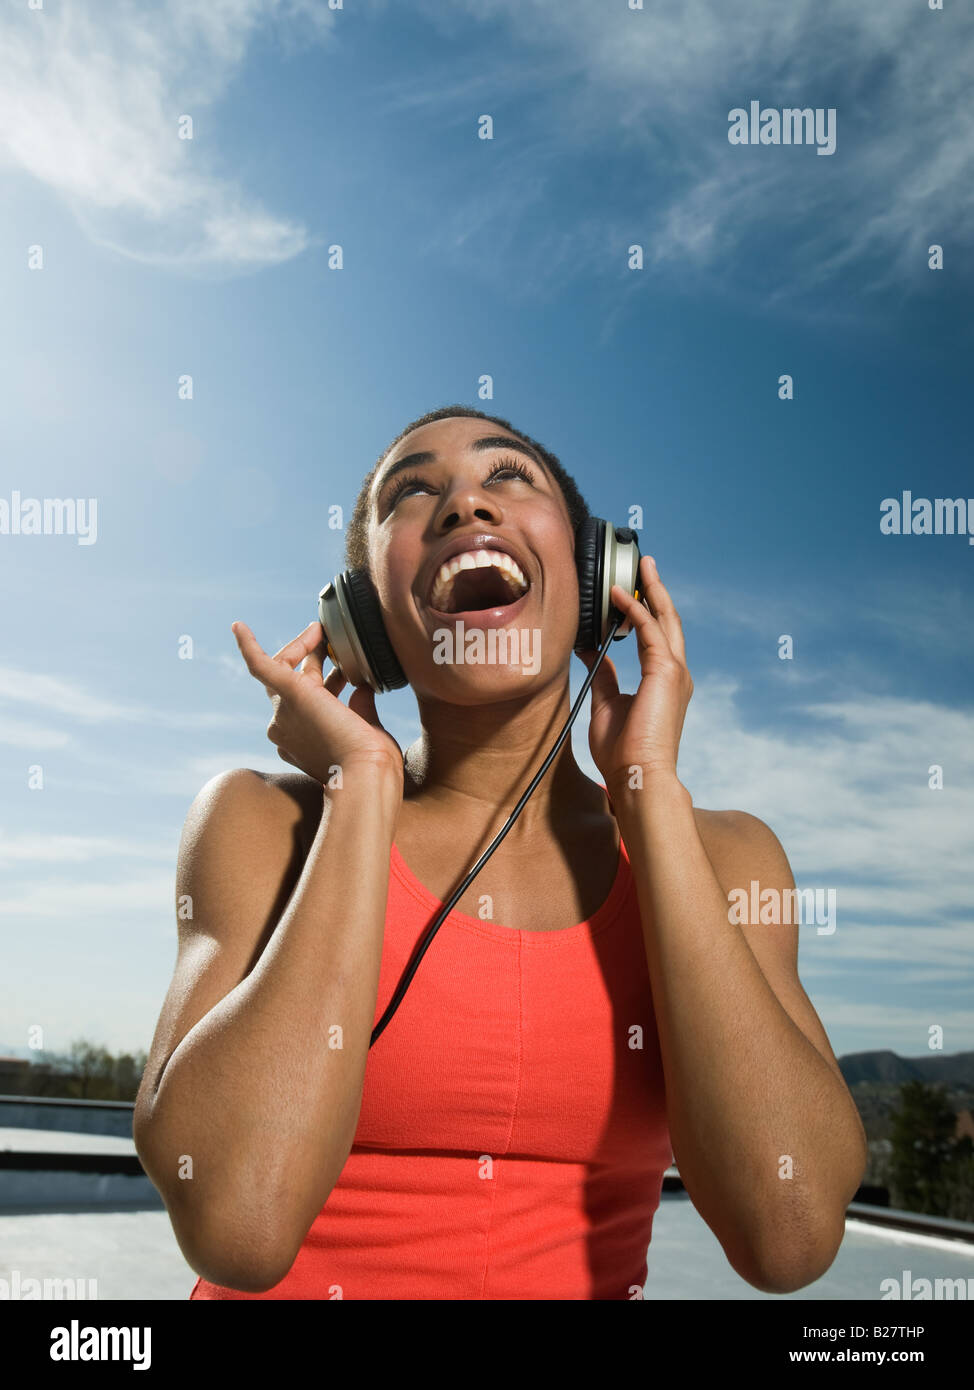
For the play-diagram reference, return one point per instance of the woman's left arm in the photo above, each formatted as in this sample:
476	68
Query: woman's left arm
765	1133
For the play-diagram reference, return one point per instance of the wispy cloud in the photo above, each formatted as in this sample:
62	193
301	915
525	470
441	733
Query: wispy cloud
913	613
71	699
91	94
138	898
875	1023
185	777
846	790
844	786
76	849
657	84
21	734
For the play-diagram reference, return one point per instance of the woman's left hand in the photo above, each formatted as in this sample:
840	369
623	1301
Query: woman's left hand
642	729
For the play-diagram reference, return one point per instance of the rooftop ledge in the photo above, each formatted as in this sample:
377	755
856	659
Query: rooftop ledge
75	1204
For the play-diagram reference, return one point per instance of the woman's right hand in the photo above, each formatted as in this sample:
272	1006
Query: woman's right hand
310	727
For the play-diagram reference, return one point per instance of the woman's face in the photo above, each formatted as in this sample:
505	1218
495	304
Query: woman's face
473	638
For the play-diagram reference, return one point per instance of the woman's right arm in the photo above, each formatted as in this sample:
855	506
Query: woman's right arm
249	1105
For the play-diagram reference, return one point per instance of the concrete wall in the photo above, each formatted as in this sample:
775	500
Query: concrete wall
78	1116
60	1191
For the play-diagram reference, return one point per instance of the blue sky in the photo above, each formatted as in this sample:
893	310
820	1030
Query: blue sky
508	257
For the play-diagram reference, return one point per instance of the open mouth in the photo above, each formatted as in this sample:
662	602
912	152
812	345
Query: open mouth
478	581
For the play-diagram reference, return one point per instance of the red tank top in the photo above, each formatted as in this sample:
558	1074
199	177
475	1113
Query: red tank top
512	1138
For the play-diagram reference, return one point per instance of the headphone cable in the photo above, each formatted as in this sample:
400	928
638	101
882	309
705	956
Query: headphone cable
448	906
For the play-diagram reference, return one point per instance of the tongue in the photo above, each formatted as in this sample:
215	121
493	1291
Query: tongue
480	588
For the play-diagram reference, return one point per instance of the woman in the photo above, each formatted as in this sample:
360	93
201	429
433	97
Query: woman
590	1008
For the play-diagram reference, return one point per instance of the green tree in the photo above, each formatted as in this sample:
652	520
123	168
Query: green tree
959	1180
922	1137
91	1068
86	1072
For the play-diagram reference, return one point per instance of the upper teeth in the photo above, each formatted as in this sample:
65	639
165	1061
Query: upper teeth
474	559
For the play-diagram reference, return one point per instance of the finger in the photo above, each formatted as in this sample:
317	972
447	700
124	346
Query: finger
272	675
298	649
313	664
362	702
663	607
653	643
335	681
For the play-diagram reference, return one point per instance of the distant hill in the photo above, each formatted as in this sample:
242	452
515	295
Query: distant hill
953	1070
874	1080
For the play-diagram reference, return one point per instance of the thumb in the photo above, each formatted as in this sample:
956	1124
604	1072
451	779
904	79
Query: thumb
362	702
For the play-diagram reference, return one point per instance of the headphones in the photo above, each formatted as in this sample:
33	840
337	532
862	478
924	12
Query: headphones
355	634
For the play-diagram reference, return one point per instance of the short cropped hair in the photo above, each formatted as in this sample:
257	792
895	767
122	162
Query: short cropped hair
356	538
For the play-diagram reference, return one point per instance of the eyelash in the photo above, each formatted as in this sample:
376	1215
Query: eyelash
407	480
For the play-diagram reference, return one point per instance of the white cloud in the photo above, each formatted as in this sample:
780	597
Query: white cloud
843	783
845	789
70	698
90	97
927	618
657	85
875	1023
77	849
233	667
23	735
188	777
67	901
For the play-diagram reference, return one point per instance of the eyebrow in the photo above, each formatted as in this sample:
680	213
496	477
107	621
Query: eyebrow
487	441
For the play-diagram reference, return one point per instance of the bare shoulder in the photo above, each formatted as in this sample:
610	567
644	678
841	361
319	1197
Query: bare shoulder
243	847
739	844
295	796
283	791
246	837
244	803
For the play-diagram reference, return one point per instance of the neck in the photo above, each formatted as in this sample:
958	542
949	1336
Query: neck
474	762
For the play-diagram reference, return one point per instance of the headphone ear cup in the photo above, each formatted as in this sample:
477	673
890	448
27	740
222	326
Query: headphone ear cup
589	557
366	614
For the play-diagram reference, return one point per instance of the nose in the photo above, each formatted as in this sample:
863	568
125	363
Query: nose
466	502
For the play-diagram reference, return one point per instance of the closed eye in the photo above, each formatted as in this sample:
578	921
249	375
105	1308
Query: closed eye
407	481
